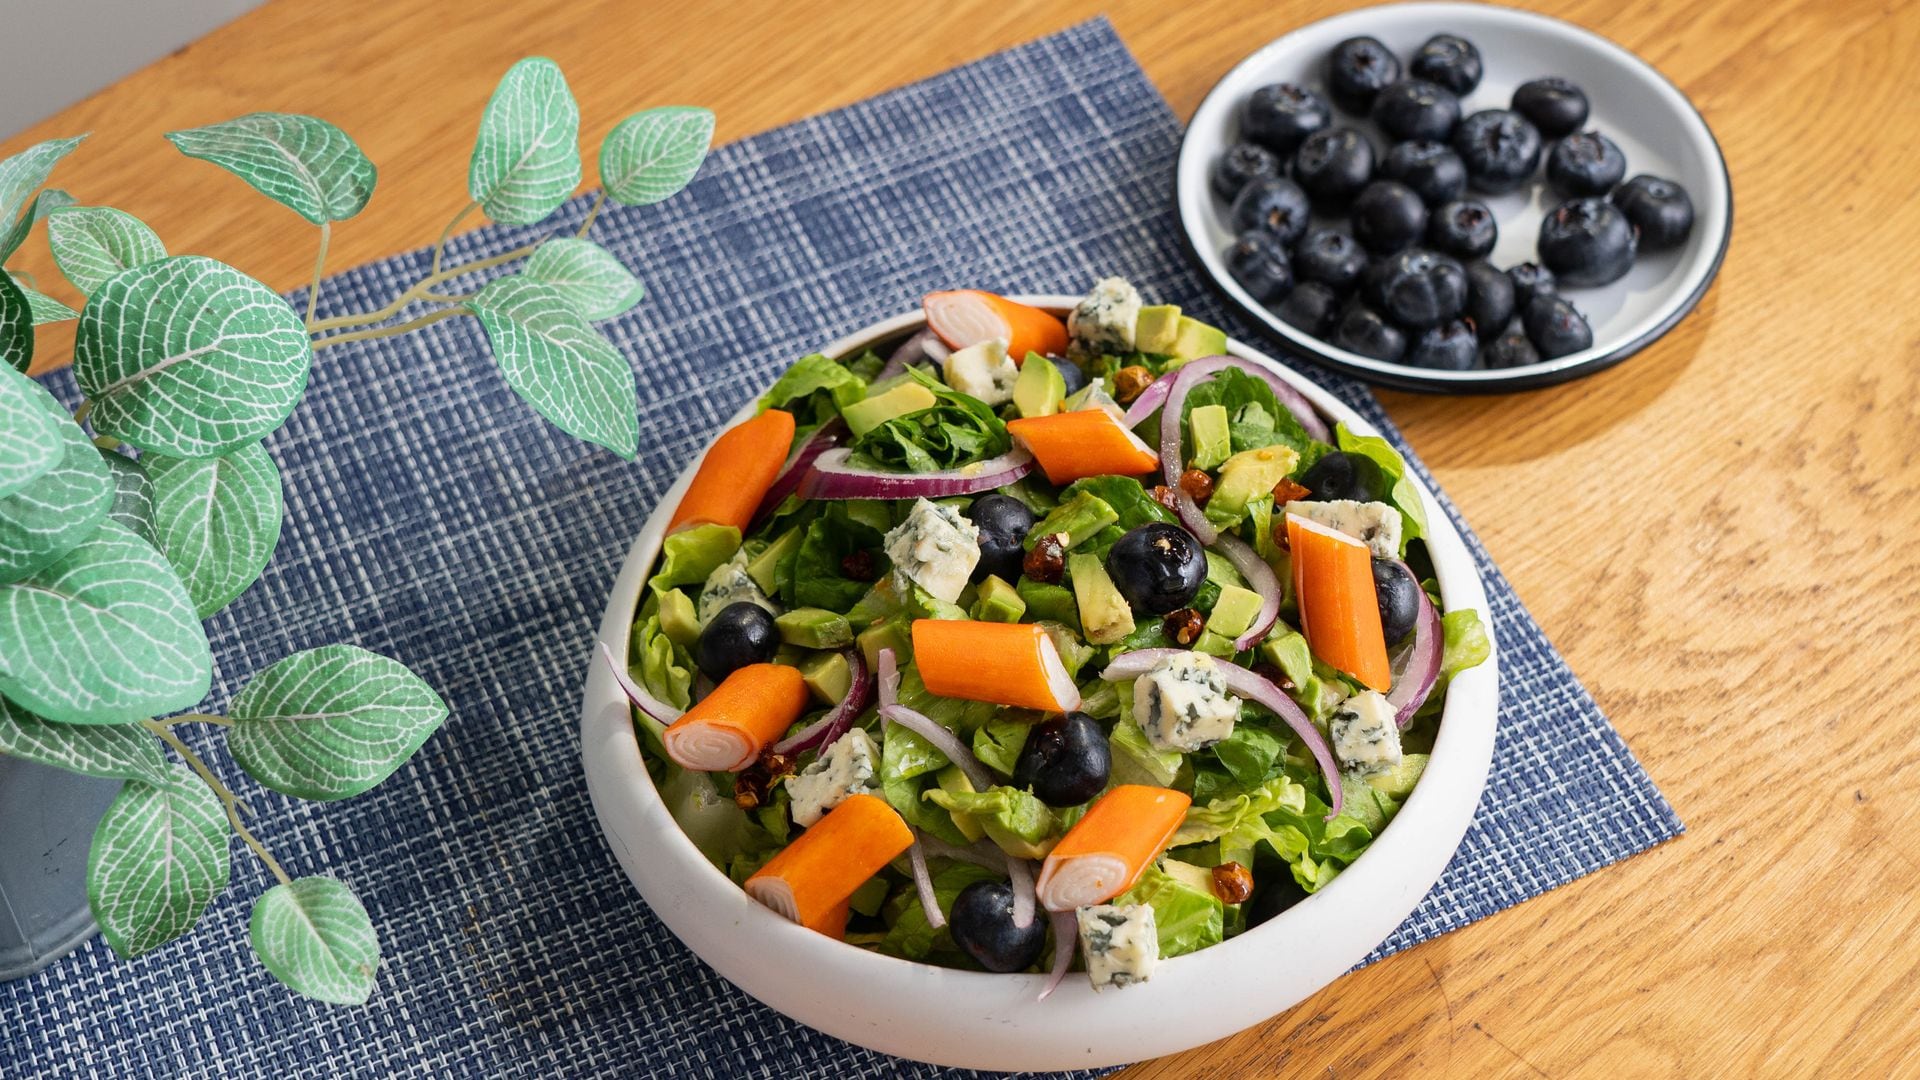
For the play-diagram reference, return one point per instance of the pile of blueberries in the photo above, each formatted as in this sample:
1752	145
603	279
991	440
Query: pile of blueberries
1410	282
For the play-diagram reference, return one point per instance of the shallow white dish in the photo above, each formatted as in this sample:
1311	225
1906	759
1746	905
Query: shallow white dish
976	1020
1653	123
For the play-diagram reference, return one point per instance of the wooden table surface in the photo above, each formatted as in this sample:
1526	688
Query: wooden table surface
1719	534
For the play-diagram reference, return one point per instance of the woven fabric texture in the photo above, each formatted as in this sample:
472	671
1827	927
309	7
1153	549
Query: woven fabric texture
434	517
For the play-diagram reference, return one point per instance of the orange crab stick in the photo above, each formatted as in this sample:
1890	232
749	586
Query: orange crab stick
833	922
726	730
737	472
1086	442
812	879
1105	851
1004	663
964	317
1339	611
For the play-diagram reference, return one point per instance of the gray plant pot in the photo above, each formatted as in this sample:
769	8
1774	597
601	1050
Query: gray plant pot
47	817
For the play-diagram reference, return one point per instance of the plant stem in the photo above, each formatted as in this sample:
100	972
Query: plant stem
80	414
225	796
449	298
440	245
593	214
196	718
389	331
319	264
417	290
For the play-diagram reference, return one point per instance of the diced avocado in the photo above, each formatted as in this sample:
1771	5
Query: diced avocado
1212	437
892	634
828	675
1221	572
1157	329
998	602
953	781
1232	613
1080	519
1245	477
868	898
1050	602
1105	616
1214	645
678	620
1197	878
814	628
1397	782
876	409
1040	388
1288	651
790	655
1196	339
764	567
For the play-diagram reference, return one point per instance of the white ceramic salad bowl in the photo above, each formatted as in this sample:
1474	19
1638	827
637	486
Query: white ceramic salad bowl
986	1021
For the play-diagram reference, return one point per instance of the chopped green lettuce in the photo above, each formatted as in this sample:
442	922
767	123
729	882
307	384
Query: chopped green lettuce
958	430
1464	642
688	556
1015	820
1186	913
1400	488
998	742
814	390
1135	761
661	666
910	937
907	765
1125	495
819	578
1255	416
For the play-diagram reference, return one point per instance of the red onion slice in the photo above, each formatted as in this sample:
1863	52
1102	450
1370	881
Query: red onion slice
1149	400
943	740
833	478
658	710
981	853
799	467
1066	937
1253	687
1417	667
923	884
923	347
889	678
824	731
1020	873
1261	577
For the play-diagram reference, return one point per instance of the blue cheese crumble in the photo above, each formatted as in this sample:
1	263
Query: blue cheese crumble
1119	943
730	584
934	548
1364	736
1103	322
1183	704
1374	524
843	769
984	371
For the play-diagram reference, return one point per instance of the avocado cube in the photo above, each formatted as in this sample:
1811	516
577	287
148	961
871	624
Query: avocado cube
764	568
998	602
889	634
1105	616
1214	645
1233	612
814	628
1157	329
1196	339
1212	438
952	780
876	409
678	619
1052	603
1288	651
1040	388
828	676
1245	477
1079	520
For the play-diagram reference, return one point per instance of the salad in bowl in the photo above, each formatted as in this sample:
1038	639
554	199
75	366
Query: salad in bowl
1033	643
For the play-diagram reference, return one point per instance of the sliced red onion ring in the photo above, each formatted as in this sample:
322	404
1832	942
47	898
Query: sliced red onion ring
798	467
1253	687
923	884
660	711
1066	937
1417	667
889	678
1149	400
833	478
923	347
980	853
824	731
1020	873
1261	577
943	740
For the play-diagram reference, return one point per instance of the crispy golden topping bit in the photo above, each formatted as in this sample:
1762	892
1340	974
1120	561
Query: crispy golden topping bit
1163	495
1232	883
1198	485
753	784
1287	491
1183	626
1047	562
1129	381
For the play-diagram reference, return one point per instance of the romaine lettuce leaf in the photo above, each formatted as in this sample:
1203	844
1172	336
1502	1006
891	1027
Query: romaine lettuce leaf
814	390
1400	489
958	430
662	667
907	765
1135	761
998	742
910	937
688	556
1127	497
1186	913
1015	820
1255	416
819	579
1464	642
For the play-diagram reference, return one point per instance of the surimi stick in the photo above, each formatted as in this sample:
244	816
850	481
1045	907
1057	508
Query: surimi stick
736	473
833	922
1339	610
1003	663
1105	851
1086	442
812	879
726	730
964	317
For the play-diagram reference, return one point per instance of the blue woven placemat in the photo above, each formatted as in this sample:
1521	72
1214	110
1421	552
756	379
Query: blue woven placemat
432	516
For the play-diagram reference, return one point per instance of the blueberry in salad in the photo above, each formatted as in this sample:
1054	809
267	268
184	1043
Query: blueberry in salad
1585	163
1274	205
1416	109
1431	169
1330	257
1450	60
1242	164
1501	150
865	710
1333	165
1357	70
1258	261
1586	242
1554	106
1659	211
1281	116
1463	229
1388	216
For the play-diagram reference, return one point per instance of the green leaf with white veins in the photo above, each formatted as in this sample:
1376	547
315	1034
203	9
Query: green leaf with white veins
31	441
41	308
588	275
559	364
314	935
132	495
103	635
43	204
301	162
653	154
16	325
23	173
110	751
331	722
217	520
159	857
92	243
58	509
526	160
189	357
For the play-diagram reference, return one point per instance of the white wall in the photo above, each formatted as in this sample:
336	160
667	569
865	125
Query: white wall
56	52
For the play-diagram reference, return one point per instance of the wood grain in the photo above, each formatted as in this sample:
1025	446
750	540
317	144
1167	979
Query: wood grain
1720	534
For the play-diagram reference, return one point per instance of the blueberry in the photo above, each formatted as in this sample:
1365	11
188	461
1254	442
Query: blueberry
1004	522
1358	69
1489	299
1274	204
1331	258
1242	164
1555	106
1511	349
739	635
1530	280
1658	208
1398	595
1585	163
1281	116
1431	169
1333	165
1418	288
1312	307
1157	567
1072	374
1500	149
1586	242
1275	892
1464	230
1555	328
1387	216
1065	760
1367	332
982	923
1340	475
1451	346
1259	263
1450	60
1416	109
